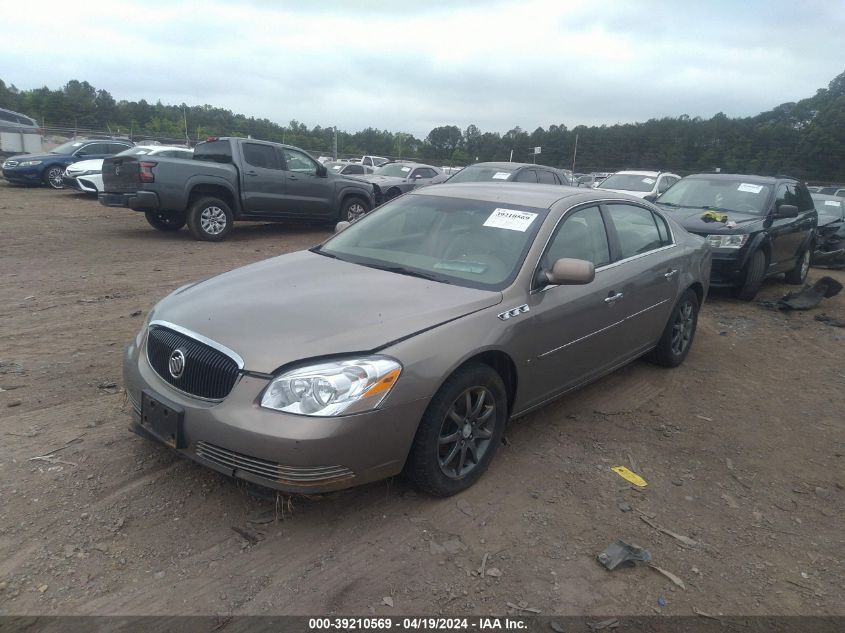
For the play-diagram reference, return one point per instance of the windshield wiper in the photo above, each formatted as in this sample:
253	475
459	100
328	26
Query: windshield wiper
667	204
713	208
319	250
407	271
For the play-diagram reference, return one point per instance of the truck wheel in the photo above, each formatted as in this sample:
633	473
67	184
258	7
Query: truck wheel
755	272
799	274
209	219
165	222
53	177
353	209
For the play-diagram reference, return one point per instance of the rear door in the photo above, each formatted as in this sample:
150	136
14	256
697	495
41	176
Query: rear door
526	175
307	194
649	264
263	189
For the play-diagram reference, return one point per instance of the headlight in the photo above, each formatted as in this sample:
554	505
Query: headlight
29	163
87	172
727	241
334	388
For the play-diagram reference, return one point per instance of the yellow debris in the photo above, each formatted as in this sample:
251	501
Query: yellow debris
630	476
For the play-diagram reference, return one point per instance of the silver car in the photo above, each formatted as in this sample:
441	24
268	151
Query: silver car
408	339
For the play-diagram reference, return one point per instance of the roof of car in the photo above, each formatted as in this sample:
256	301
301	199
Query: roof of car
638	172
517	193
746	177
407	164
508	165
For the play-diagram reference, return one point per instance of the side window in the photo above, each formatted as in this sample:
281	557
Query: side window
581	235
261	156
116	148
93	149
665	183
423	172
354	169
526	175
805	201
663	230
299	162
546	177
635	228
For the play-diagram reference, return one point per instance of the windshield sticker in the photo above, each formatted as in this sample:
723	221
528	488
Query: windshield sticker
510	219
648	181
832	203
501	175
406	169
750	188
337	167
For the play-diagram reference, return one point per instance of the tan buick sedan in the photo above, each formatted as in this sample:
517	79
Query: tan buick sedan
408	340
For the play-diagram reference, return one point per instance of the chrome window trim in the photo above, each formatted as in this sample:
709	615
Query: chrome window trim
202	339
585	205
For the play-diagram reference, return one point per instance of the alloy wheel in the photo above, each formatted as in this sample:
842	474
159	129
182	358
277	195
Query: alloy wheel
55	178
355	211
466	432
213	220
682	328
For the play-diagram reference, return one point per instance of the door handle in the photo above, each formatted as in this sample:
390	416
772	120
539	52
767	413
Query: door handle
671	273
292	178
250	173
613	298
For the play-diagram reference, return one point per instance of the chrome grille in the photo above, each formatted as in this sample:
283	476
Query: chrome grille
272	471
208	373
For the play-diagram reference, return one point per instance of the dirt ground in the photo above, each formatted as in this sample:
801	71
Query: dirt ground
742	448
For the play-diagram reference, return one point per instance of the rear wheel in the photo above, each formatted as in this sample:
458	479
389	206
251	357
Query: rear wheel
798	275
210	219
53	177
755	272
459	432
677	337
165	222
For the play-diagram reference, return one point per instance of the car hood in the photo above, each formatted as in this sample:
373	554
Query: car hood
376	179
85	165
304	305
47	156
690	219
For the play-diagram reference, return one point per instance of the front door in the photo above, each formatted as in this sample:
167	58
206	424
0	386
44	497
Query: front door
788	234
308	193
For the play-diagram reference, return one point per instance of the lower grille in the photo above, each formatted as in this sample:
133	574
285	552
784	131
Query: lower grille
206	372
272	471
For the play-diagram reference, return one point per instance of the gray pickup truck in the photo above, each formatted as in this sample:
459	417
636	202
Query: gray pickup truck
232	179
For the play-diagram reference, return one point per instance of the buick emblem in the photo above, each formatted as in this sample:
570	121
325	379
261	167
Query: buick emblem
176	364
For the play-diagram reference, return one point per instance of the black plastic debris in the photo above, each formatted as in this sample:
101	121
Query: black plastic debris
622	554
810	296
830	320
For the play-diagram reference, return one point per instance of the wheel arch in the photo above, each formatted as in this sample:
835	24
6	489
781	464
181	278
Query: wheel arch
502	364
212	189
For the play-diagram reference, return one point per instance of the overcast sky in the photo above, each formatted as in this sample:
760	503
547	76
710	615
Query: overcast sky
411	66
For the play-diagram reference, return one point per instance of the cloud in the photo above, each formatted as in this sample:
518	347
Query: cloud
529	63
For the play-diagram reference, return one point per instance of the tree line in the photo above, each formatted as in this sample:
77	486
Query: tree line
805	138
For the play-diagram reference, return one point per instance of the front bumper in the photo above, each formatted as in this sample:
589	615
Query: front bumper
25	175
286	452
136	200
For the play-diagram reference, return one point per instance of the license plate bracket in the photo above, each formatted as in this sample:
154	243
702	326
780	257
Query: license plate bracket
163	419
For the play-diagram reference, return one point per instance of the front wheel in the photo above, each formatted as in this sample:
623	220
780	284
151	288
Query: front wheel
165	222
53	177
798	275
755	272
675	343
210	219
353	209
459	432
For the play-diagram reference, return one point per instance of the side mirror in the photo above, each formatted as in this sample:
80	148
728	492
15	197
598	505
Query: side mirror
650	197
786	211
568	272
341	226
321	170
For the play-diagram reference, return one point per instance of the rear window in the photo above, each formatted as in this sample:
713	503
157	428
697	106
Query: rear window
214	151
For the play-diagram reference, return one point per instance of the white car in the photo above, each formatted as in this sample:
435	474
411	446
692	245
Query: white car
643	184
87	175
374	161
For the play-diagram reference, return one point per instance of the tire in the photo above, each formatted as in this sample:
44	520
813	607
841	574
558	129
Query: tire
53	177
675	343
441	461
209	219
755	272
798	275
353	209
165	222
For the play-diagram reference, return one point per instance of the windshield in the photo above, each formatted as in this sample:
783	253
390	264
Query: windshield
719	194
482	173
67	148
396	170
828	208
629	182
452	240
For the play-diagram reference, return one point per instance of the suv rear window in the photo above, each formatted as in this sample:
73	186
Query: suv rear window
214	151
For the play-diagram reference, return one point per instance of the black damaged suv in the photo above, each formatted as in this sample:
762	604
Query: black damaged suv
757	226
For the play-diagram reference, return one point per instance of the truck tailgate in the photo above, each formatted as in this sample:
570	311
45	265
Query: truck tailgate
120	174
